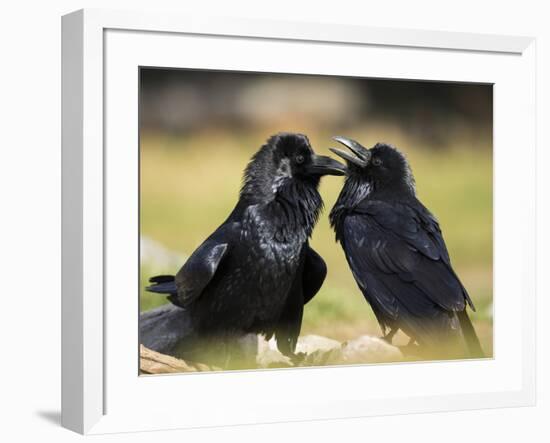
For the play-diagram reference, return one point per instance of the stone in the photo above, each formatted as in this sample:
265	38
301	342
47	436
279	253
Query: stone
368	349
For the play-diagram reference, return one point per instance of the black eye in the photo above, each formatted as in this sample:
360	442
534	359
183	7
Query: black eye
376	161
299	159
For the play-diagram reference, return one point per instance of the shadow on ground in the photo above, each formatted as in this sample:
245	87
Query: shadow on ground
53	417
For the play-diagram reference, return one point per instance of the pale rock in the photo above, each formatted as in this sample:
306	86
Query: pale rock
368	349
269	356
311	343
317	348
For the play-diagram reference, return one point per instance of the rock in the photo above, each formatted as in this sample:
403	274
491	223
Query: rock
313	343
151	362
269	356
367	349
316	350
322	351
319	350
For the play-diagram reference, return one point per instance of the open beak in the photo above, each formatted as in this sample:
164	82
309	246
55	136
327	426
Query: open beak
359	155
323	165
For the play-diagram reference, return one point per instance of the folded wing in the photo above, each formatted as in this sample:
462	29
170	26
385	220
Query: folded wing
399	259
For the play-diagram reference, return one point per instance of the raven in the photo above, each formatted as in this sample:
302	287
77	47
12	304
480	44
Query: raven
396	252
256	271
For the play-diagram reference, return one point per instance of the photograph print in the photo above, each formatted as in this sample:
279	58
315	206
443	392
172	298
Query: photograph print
291	220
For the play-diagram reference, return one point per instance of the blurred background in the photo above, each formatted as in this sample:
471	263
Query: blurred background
198	130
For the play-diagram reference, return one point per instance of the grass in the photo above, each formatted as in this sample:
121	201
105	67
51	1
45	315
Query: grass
190	184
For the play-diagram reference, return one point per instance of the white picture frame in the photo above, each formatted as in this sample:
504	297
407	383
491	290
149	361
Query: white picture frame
101	51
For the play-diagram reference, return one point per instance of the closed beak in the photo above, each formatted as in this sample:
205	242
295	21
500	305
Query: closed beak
324	165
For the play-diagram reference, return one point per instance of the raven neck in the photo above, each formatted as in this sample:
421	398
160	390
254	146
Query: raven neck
356	190
353	192
289	216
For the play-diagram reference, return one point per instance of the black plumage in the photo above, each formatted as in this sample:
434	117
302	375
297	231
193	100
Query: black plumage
256	271
395	249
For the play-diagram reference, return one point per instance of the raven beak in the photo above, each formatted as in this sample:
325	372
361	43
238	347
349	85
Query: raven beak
323	165
360	155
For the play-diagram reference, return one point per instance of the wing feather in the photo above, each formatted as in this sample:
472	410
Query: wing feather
200	268
399	260
309	279
314	273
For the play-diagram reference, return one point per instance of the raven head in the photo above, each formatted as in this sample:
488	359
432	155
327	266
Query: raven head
287	160
382	167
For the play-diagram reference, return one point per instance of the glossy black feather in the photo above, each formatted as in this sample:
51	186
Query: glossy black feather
308	281
395	249
200	268
165	287
313	275
256	271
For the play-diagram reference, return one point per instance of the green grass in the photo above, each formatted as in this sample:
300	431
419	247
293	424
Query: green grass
190	184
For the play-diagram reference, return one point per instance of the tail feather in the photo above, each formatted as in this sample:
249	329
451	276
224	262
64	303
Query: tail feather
163	284
166	329
472	340
161	279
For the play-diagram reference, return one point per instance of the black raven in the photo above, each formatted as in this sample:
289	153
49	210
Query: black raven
395	249
256	271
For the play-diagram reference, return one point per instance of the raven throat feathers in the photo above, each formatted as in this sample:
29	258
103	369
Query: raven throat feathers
290	216
353	192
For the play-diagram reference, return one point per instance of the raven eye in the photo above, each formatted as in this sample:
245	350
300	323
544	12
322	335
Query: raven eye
376	161
299	159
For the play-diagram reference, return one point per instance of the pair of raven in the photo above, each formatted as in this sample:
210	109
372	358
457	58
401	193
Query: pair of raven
256	272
